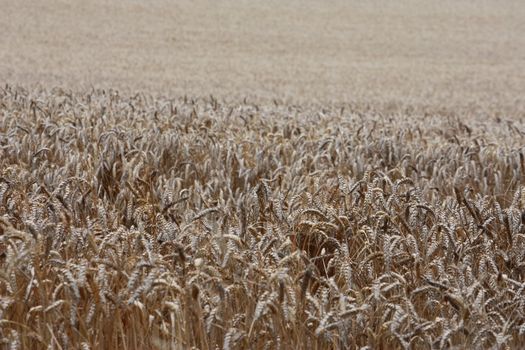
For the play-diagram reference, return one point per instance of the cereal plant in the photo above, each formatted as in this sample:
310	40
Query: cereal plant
142	222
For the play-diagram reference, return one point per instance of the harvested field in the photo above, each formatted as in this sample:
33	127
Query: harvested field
262	175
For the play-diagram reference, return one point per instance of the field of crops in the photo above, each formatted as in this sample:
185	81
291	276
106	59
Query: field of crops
137	222
248	174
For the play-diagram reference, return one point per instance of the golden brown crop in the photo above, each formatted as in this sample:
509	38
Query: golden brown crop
139	222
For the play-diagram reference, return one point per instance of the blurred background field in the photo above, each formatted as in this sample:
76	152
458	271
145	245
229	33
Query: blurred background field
433	53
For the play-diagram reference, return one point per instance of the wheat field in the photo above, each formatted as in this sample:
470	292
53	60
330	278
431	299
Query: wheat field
249	175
